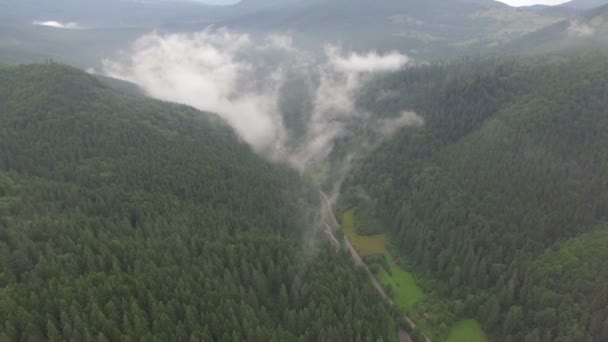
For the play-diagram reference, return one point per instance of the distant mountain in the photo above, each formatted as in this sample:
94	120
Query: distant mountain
32	43
588	30
38	30
425	29
584	4
567	9
101	13
561	11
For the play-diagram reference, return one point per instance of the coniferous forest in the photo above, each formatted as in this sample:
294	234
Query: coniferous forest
125	218
470	189
499	200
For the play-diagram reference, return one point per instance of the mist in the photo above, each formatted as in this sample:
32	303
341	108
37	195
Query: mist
58	24
578	29
245	80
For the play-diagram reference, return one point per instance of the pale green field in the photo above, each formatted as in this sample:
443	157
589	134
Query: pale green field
407	292
467	331
365	245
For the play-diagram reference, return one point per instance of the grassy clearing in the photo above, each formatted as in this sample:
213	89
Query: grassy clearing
467	331
365	245
406	292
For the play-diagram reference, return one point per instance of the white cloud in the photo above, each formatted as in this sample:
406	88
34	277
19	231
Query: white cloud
280	41
388	127
370	62
340	77
518	3
204	71
242	80
579	29
58	24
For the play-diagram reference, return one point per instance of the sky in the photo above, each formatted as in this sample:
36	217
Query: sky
219	2
533	2
510	2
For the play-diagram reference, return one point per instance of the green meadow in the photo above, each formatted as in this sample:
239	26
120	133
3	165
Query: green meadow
400	283
365	245
467	331
405	291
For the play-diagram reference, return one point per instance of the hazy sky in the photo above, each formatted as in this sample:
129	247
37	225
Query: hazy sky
533	2
510	2
219	2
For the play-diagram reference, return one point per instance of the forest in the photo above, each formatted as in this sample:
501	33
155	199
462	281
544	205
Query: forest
500	198
360	179
126	218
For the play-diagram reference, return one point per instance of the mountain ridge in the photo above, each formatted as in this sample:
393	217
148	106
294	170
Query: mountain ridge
585	31
481	198
123	217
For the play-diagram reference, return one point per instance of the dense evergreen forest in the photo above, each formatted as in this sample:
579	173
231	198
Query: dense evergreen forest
502	195
125	218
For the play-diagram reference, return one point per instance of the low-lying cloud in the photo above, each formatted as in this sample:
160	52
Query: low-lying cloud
370	62
204	70
578	29
58	24
388	127
243	81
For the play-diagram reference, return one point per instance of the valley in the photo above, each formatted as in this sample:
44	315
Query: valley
327	210
439	184
288	170
399	286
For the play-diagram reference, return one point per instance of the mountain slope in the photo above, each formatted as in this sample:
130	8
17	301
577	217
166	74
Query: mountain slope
584	4
127	218
567	9
508	172
427	29
424	29
586	31
106	13
38	44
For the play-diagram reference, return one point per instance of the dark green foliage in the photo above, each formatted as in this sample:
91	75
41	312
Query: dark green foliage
123	218
377	262
495	197
366	222
296	106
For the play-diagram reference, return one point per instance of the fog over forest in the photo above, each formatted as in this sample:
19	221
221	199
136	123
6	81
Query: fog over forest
304	170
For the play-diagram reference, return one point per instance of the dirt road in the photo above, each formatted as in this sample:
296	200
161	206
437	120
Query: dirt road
327	212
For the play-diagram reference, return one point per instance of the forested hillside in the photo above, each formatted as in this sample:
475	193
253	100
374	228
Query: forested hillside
124	218
501	196
425	30
583	32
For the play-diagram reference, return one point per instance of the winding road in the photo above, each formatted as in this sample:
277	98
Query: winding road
327	212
